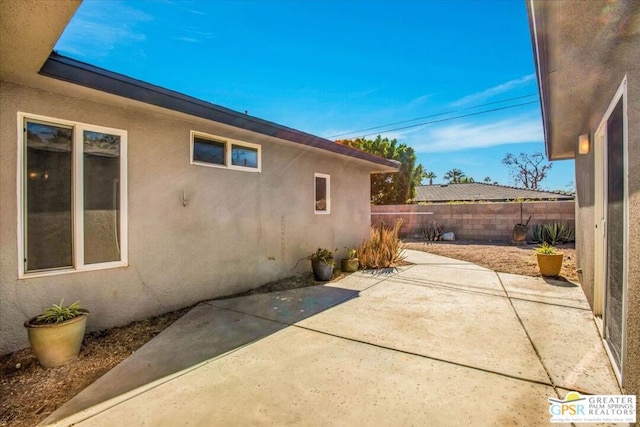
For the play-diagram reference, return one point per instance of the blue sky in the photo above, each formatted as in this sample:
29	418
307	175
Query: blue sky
335	67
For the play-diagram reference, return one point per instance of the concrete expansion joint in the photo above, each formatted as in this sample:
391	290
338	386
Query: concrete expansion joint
437	359
550	303
535	349
449	286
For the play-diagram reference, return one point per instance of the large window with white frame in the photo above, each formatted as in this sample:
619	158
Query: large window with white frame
215	151
73	196
322	193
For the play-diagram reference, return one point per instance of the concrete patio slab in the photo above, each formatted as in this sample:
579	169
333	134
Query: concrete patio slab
201	334
208	330
290	306
544	290
470	329
394	347
331	381
568	342
485	281
359	280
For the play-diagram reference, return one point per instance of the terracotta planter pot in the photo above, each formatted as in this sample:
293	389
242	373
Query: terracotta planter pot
57	343
321	270
550	265
349	265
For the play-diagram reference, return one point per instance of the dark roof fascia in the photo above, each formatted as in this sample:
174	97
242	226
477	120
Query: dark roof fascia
83	74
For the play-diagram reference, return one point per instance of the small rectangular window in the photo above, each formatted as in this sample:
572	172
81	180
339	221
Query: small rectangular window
244	156
210	150
322	193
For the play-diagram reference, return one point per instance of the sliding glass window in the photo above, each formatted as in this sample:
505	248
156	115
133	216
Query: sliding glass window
73	196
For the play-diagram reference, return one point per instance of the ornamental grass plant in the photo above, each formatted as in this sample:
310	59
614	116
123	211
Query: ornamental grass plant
383	249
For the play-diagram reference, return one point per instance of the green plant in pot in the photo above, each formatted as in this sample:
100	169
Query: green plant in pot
56	335
322	264
549	260
350	264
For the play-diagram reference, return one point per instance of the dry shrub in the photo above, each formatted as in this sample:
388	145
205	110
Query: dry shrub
383	249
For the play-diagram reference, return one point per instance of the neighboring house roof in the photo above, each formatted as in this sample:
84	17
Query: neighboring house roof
46	22
439	193
575	44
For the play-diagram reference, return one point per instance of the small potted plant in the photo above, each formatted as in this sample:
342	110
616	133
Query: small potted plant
322	264
549	260
56	335
350	264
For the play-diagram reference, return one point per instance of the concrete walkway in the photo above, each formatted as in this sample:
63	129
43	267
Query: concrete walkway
441	342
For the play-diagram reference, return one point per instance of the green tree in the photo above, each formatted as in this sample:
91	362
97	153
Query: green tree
467	179
430	176
527	170
487	179
454	176
392	187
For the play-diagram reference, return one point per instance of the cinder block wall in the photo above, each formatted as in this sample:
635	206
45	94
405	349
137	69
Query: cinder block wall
474	221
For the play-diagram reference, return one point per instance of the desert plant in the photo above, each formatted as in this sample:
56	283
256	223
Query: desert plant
549	260
566	233
383	249
56	335
58	313
552	233
535	234
323	254
352	253
350	264
432	232
546	249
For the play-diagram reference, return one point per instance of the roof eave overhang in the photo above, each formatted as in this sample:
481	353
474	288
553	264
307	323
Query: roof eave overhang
83	74
543	46
581	49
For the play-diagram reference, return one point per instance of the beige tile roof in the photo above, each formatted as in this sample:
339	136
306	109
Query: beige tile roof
481	192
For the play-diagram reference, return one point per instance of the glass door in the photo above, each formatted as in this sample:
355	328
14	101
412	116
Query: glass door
615	236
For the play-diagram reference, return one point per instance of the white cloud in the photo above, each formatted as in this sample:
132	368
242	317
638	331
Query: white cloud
454	137
419	101
90	33
496	90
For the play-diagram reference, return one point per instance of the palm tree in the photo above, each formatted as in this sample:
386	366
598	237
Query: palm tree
454	176
466	179
487	179
430	175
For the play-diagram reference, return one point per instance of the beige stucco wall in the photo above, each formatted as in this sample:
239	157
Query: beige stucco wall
585	222
240	230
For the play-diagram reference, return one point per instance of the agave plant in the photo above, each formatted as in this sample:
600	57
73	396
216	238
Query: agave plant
546	249
432	232
59	313
552	233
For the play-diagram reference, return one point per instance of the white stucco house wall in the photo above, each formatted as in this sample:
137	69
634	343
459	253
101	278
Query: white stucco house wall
587	56
138	200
